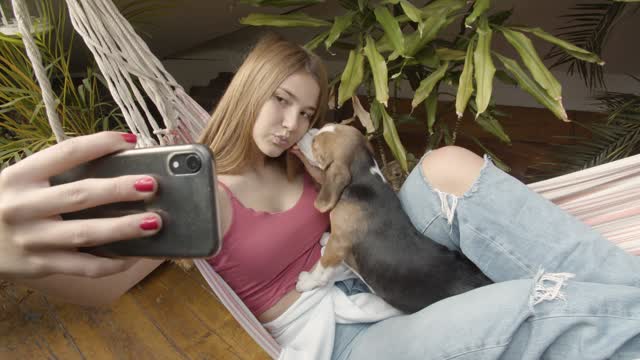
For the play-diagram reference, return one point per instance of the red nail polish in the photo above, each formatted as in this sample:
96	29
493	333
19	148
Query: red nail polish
150	223
145	184
130	138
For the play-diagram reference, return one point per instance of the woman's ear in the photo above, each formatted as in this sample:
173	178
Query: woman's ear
337	177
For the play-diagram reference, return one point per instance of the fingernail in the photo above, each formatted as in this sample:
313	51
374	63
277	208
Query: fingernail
145	184
150	223
130	138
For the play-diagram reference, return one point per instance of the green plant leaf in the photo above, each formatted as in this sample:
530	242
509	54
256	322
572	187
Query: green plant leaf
317	40
15	40
416	41
378	70
532	87
568	47
484	68
390	134
421	26
588	25
532	61
351	76
363	115
505	78
427	85
465	84
449	6
340	24
479	8
391	28
412	12
499	163
431	105
288	20
428	58
394	55
447	54
384	45
492	126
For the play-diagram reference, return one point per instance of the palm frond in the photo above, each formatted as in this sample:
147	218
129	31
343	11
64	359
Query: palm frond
615	136
588	26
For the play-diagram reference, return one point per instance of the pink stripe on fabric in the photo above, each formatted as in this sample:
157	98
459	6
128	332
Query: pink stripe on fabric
612	216
606	197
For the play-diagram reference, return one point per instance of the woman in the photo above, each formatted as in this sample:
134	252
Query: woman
276	95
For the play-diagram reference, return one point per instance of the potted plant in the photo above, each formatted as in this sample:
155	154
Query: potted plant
396	40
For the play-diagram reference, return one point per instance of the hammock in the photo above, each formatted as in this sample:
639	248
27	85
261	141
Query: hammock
606	197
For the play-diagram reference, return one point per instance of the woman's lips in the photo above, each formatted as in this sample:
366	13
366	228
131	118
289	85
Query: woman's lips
280	141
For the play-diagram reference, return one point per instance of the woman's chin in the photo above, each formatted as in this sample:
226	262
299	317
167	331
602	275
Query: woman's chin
272	150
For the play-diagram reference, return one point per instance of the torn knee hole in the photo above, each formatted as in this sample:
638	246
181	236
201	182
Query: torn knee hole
548	287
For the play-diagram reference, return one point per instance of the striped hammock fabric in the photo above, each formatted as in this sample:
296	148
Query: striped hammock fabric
606	197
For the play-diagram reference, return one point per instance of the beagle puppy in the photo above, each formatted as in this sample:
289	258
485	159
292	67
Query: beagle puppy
372	234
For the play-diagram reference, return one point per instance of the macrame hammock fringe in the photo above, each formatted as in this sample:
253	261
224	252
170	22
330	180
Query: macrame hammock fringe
606	197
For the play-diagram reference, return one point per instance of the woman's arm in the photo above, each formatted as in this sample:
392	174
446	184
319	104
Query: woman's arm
93	291
88	291
38	248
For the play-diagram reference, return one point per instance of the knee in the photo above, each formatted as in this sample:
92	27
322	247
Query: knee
452	169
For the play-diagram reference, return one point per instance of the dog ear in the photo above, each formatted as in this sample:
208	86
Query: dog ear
337	177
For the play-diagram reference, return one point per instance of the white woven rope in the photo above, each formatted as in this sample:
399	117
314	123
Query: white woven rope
132	71
21	12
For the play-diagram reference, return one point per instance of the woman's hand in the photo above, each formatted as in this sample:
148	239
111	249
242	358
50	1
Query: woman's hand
35	242
316	173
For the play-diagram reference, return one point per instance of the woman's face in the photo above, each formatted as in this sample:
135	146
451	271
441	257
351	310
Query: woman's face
285	116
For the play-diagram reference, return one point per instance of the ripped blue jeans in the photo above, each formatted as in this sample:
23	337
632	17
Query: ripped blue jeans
562	291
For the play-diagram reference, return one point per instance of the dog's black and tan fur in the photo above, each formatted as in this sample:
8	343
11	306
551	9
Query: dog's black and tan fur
371	232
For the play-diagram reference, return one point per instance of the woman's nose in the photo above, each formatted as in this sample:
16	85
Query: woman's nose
291	121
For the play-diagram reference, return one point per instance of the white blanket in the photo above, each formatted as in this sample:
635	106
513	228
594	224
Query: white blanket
307	329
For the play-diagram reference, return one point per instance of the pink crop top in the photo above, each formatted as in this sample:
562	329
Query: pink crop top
263	253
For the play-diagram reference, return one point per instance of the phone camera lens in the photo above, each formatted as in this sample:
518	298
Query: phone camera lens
193	163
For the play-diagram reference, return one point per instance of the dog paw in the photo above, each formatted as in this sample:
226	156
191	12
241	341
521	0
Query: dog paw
307	282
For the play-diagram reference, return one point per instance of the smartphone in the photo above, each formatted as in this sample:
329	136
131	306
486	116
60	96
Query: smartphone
185	200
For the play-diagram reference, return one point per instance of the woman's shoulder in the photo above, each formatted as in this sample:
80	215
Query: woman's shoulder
224	205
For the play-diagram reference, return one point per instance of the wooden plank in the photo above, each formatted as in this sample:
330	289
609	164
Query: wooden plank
44	326
18	335
171	315
117	331
199	299
163	302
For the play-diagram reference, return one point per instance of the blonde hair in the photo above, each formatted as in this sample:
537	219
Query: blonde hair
272	60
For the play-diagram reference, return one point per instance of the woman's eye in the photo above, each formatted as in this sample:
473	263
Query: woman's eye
306	115
280	99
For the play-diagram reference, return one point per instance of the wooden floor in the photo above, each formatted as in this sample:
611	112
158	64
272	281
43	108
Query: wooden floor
171	314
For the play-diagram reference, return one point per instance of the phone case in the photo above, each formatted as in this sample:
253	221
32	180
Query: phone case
186	202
